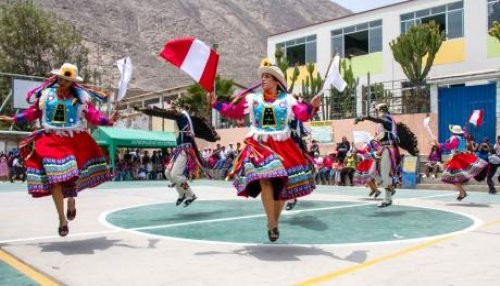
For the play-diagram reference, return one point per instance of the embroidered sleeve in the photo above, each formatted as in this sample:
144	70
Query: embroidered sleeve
450	144
233	111
30	114
94	116
303	111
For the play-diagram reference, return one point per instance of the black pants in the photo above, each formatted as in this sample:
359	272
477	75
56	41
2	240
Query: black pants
346	172
492	169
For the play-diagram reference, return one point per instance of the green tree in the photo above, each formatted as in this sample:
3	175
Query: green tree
410	49
197	96
33	42
495	30
343	104
312	84
283	64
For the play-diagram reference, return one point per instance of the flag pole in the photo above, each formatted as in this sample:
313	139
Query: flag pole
328	69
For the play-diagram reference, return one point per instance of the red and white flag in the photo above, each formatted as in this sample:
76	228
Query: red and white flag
477	117
195	58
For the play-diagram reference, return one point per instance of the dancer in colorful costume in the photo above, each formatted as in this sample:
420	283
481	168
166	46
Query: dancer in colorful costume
462	165
271	164
388	141
186	160
366	170
62	158
298	132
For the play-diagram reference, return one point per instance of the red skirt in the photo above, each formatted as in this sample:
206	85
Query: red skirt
281	162
75	162
461	167
365	171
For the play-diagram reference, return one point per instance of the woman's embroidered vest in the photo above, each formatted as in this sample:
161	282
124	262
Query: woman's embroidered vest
270	116
60	114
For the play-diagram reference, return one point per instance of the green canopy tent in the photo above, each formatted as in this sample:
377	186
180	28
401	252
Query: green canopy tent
113	138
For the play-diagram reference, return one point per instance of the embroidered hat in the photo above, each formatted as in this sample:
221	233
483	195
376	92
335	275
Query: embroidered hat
456	129
68	72
382	107
266	67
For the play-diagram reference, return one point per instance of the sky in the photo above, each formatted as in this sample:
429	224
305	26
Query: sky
363	5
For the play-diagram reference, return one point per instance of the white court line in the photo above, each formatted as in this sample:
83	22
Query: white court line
138	230
115	229
242	217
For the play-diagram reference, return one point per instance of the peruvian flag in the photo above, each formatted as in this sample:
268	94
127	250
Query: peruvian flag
193	57
477	117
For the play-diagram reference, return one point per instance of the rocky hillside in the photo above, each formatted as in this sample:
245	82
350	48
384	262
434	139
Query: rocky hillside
139	29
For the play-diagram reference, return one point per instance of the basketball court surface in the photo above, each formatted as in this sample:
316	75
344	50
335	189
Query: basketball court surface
131	233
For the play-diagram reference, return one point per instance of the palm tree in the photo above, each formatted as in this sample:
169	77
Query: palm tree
197	96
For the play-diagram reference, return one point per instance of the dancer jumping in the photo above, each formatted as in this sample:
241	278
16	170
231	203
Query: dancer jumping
62	158
271	164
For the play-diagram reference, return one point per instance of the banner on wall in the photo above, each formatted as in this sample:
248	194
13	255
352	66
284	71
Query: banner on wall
322	131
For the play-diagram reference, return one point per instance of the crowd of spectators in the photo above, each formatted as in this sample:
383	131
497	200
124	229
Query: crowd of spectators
12	167
141	165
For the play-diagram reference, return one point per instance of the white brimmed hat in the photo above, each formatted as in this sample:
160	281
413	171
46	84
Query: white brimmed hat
68	72
381	106
275	71
456	129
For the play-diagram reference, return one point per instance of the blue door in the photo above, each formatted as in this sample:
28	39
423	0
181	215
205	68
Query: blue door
456	104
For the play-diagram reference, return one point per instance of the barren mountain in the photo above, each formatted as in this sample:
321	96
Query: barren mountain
140	28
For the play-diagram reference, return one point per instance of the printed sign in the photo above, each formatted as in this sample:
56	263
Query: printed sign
322	131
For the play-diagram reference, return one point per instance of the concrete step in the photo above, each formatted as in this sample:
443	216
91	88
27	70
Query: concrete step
436	184
449	187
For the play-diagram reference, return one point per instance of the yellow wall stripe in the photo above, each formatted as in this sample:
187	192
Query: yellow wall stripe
451	51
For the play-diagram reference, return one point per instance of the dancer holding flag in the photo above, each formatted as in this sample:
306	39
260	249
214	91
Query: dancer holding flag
271	164
462	165
200	62
62	159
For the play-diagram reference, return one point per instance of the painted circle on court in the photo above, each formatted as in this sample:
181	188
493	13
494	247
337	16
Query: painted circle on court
310	222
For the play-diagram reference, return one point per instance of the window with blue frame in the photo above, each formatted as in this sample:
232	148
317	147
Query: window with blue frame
357	40
299	51
493	12
449	17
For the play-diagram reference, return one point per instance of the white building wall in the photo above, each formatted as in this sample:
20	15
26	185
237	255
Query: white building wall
475	34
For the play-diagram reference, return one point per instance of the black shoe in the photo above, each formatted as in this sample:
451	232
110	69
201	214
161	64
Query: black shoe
492	192
180	200
190	201
460	198
377	194
70	215
392	190
372	193
290	206
63	230
171	185
385	204
273	234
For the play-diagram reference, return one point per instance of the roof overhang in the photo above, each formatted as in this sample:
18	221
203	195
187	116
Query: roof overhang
492	74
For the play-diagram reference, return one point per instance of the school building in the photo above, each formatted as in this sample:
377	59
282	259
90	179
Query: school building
465	75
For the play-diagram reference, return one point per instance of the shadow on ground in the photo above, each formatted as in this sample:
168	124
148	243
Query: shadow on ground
88	246
289	253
